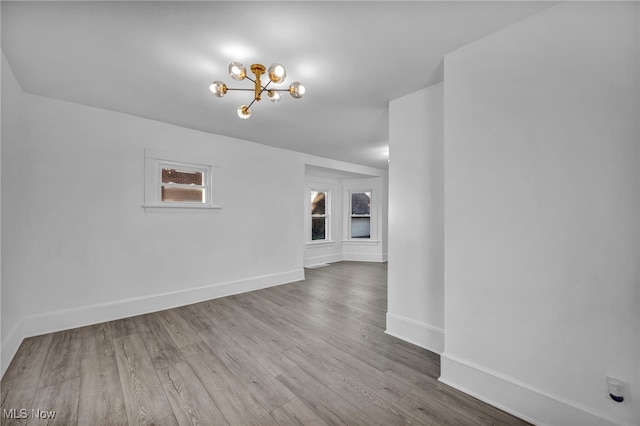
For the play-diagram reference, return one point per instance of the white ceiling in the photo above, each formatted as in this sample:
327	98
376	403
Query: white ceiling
157	59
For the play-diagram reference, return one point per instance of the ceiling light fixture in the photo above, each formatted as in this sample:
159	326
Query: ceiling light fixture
276	73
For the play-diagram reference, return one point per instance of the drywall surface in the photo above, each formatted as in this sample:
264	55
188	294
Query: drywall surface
541	215
90	236
416	222
13	134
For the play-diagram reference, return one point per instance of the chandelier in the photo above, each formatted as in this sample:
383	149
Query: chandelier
276	73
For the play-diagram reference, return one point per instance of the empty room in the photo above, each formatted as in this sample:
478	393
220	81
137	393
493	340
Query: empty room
320	213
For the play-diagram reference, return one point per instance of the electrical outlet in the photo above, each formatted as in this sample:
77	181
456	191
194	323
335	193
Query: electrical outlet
616	390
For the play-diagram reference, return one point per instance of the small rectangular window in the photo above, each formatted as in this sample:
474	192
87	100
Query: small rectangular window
182	185
319	217
172	180
360	221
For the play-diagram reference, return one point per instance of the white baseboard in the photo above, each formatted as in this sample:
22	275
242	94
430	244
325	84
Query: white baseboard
319	260
49	322
518	398
415	332
364	257
339	257
9	346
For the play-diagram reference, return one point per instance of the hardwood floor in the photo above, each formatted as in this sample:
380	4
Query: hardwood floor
312	352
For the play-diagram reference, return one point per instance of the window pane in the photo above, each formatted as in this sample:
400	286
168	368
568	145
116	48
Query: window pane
318	201
360	227
182	177
318	228
361	203
183	194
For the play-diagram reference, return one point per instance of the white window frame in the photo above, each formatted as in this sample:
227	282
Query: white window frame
155	161
373	217
310	216
351	215
184	167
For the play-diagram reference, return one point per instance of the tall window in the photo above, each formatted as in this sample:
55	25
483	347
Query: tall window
360	220
319	215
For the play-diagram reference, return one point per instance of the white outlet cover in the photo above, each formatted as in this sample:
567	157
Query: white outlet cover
617	387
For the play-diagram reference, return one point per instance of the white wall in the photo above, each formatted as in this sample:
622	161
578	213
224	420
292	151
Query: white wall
13	135
542	192
416	223
79	248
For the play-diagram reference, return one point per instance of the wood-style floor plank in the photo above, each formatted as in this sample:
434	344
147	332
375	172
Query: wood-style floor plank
295	412
236	325
234	400
328	405
312	352
144	397
436	413
128	326
56	404
188	398
259	381
179	330
313	342
160	346
348	387
374	356
100	397
20	383
63	358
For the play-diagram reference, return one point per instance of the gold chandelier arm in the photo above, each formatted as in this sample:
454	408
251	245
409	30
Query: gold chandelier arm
256	97
263	87
257	70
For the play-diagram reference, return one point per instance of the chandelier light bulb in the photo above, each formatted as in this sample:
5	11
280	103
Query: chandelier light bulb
244	112
237	71
296	90
273	96
218	88
277	73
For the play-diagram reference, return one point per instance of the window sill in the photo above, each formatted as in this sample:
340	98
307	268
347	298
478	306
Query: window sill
365	241
179	207
320	243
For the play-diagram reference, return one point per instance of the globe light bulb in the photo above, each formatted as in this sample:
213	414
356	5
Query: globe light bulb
273	96
277	73
296	90
218	88
244	112
237	71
